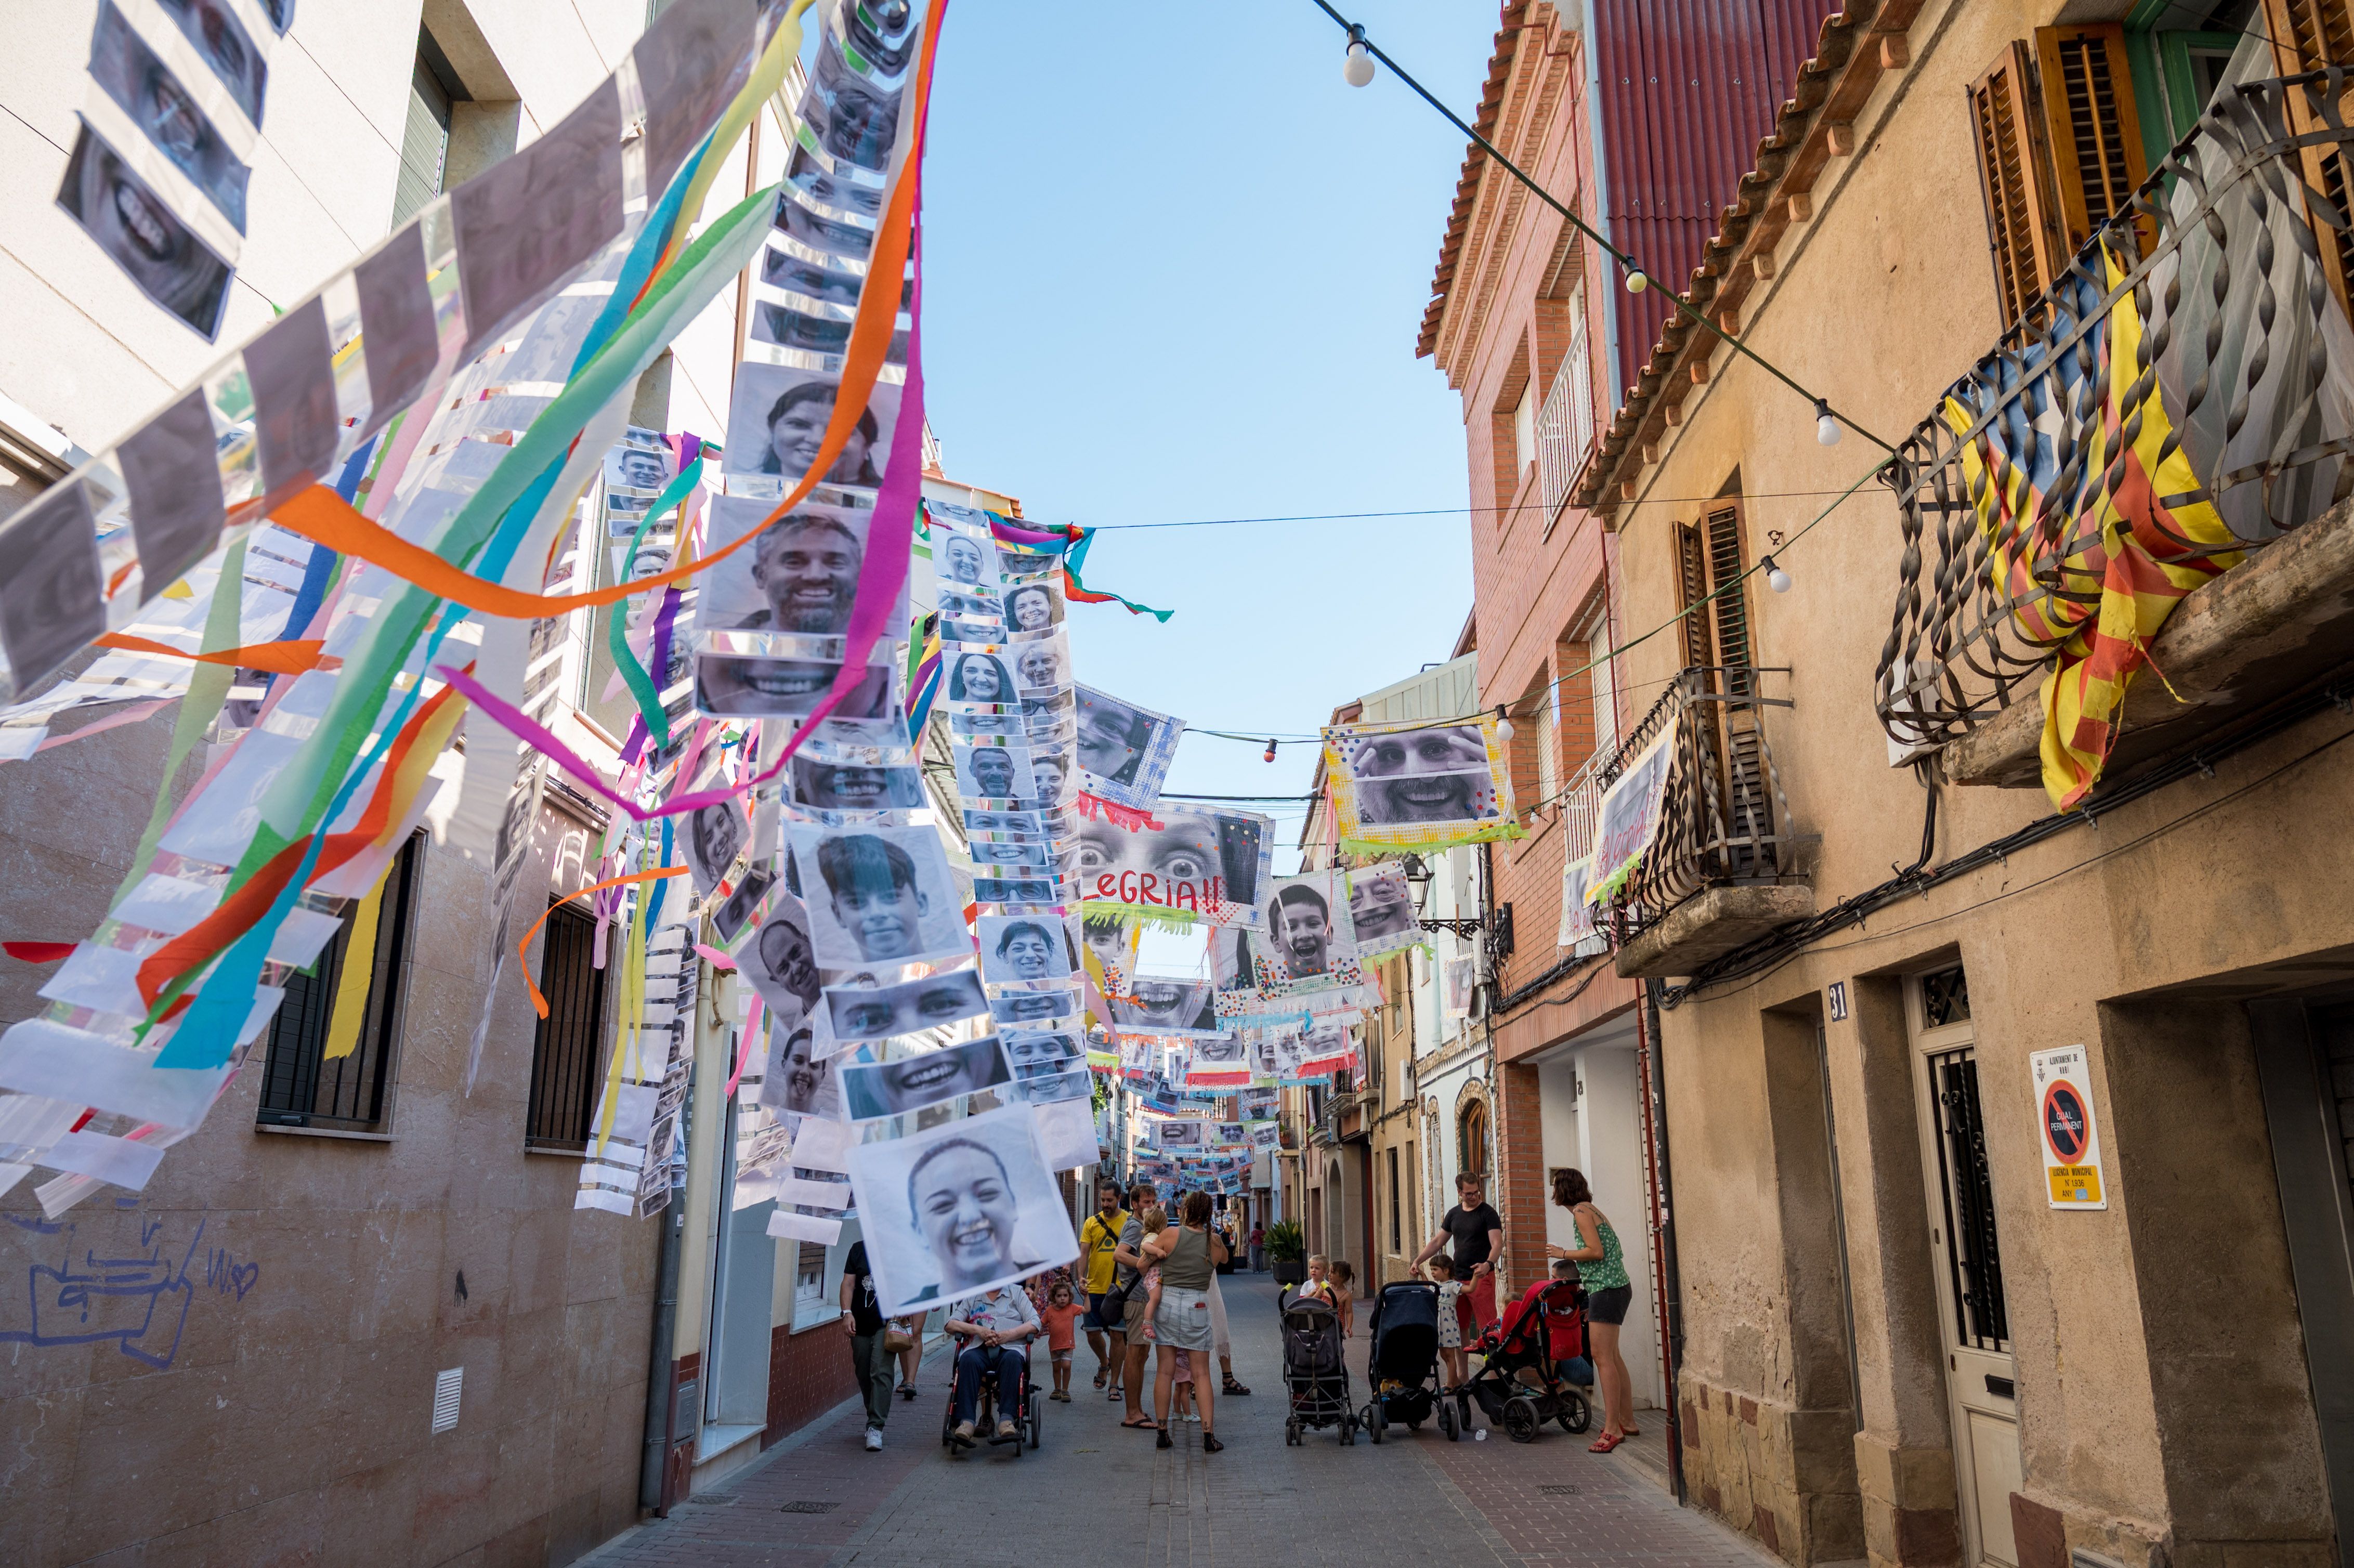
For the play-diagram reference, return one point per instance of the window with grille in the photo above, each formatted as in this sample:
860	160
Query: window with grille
2060	152
1397	1219
570	1040
1973	1252
332	1041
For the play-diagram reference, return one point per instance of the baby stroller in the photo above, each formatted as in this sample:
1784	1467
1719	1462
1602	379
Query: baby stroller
1313	1373
1516	1384
1404	1366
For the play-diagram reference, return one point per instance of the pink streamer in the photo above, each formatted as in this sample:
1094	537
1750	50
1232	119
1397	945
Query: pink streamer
716	959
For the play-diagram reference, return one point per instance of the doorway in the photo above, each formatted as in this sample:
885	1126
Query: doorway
1981	1385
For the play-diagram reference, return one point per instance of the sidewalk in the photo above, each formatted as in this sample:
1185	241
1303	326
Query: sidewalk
1094	1493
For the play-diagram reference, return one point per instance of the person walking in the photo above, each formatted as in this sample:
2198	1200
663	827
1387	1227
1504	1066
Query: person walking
1000	1324
1098	1241
1188	1254
1221	1339
911	1355
1127	1274
1602	1268
1477	1233
1257	1248
871	1359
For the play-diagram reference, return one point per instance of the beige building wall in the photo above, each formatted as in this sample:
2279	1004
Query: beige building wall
2163	1412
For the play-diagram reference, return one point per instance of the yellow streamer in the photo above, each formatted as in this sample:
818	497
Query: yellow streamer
359	972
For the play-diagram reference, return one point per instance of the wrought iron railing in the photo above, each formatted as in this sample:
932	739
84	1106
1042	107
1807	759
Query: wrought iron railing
1725	818
2240	369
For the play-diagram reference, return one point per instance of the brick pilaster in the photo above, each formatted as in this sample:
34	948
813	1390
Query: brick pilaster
1518	1190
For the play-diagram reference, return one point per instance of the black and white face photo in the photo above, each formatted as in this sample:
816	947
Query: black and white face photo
1014	854
1114	739
1157	1005
879	895
637	468
782	270
1224	1051
964	559
843	237
979	679
856	121
1034	1052
798	574
1011	890
777	422
1022	948
1381	905
920	1078
839	189
852	787
1041	668
165	108
735	686
1050	1088
780	960
885	1011
729	918
986	771
716	835
135	227
1031	610
1179	1134
959	1208
797	1081
1304	932
1033	1007
1436	775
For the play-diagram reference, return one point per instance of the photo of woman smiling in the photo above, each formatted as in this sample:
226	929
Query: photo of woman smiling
959	1208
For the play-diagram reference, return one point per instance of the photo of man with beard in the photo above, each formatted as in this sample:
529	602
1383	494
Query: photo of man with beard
1436	775
806	568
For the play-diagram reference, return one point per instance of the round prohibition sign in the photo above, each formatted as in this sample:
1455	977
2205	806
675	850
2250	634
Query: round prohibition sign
2067	1122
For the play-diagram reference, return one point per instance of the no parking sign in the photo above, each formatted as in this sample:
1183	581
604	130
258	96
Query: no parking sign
2063	1119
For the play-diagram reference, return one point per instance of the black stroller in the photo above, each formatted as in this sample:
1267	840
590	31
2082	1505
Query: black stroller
1402	1367
1517	1385
1313	1373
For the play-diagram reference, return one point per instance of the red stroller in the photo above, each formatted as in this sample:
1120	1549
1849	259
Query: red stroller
1518	1385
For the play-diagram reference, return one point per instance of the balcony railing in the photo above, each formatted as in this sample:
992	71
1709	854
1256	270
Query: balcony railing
1565	425
2229	428
1724	819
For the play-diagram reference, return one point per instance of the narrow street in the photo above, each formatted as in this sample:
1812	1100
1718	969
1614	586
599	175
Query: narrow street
1093	1492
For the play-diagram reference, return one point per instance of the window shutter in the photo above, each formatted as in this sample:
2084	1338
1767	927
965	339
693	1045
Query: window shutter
1730	610
2014	176
1691	563
2091	125
424	144
2307	34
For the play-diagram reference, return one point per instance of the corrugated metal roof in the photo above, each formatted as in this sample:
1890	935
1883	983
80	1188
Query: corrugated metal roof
1687	89
1450	691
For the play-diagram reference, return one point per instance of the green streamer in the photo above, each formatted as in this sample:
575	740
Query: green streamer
208	688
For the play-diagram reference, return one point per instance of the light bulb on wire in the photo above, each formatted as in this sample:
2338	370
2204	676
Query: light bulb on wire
1636	282
1827	426
1270	751
1357	64
1503	725
1775	578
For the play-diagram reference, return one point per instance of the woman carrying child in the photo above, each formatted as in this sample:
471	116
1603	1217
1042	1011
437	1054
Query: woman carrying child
1061	1317
1188	1257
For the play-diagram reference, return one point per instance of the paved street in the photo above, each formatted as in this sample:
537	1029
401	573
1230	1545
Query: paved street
1094	1493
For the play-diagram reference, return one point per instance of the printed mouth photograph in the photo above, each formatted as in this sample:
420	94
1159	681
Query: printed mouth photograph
136	227
1050	1088
1157	1005
854	787
1011	854
886	1011
959	1208
735	685
920	1078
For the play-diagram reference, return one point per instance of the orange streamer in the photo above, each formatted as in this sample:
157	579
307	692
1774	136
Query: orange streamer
288	658
523	948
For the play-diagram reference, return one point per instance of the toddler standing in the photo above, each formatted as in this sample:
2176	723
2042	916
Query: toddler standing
1061	1317
1450	1329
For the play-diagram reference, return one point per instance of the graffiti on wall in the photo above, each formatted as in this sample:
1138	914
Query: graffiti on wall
135	1296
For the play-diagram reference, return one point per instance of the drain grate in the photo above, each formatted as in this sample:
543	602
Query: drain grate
805	1506
1559	1491
714	1500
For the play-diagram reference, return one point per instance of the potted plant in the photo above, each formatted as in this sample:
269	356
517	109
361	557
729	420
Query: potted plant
1287	1252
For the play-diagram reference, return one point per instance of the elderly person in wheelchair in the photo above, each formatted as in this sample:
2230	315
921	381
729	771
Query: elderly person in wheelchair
997	1326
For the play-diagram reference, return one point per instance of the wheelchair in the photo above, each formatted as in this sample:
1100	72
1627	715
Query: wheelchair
1027	1424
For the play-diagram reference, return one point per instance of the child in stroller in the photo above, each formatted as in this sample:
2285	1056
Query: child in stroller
1314	1376
1528	1359
1403	1363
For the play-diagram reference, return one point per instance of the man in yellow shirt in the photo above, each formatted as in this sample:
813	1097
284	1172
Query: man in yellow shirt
1098	1239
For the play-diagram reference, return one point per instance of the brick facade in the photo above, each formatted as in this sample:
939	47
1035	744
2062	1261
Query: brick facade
809	1374
1517	1187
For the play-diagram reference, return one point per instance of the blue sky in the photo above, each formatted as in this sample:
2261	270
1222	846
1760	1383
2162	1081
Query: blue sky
1174	267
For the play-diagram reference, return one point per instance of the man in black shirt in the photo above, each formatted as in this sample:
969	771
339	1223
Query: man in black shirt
1477	1233
875	1367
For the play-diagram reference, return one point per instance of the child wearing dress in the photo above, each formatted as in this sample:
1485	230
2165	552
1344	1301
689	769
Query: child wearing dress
1154	1219
1344	1295
1061	1317
1180	1391
1450	1331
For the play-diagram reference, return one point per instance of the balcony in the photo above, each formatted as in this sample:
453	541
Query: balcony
1723	864
1565	425
2202	575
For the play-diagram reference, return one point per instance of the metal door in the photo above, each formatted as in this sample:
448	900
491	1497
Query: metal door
1980	1376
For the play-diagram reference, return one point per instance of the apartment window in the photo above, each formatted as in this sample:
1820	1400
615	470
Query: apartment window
425	133
569	1041
2307	34
1565	424
2058	154
1397	1215
1525	429
1472	1141
349	1005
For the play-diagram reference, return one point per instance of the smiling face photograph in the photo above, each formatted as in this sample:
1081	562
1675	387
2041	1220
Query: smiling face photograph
920	1078
1380	908
884	1012
632	467
1306	934
979	680
780	960
852	787
715	834
988	771
1438	774
797	1082
879	895
1041	668
800	574
1022	948
1156	1005
1031	610
777	422
1033	1007
958	1209
735	685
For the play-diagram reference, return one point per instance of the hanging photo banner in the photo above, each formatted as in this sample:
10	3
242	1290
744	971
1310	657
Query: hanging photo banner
1166	1006
1577	923
1174	867
1381	909
1304	944
1419	786
1218	1062
1628	817
1124	750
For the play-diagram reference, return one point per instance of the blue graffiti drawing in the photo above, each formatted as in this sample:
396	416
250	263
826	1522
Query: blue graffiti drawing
140	1303
225	1274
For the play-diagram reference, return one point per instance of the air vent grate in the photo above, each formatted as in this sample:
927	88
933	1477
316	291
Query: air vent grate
446	1389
